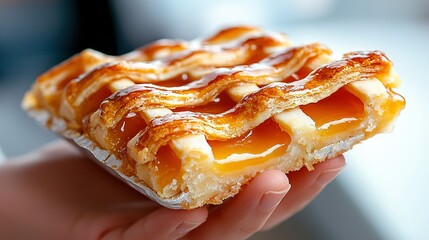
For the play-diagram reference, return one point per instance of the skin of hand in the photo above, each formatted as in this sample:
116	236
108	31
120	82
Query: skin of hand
58	193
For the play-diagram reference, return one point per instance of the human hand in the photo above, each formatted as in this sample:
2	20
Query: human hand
57	193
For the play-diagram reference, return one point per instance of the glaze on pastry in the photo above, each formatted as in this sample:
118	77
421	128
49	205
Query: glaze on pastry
201	118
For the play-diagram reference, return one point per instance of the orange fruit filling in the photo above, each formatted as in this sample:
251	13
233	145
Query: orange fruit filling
341	105
260	139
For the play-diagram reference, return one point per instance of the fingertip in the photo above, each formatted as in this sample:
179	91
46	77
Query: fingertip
191	219
335	164
274	185
337	161
330	170
265	191
179	216
195	215
271	180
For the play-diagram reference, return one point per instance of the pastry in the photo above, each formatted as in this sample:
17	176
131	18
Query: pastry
189	122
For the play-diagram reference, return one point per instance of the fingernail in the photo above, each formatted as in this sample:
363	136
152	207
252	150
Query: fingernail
327	176
187	226
271	199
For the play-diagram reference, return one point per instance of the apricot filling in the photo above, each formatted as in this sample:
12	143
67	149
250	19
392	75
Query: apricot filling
266	141
167	166
92	103
120	135
337	112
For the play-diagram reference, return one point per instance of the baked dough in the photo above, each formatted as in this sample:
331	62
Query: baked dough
191	122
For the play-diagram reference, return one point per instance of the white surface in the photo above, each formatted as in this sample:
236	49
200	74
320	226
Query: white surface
388	175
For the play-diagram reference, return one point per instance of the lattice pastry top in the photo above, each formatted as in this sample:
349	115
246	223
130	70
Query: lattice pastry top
188	123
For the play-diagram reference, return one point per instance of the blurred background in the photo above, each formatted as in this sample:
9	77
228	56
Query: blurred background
384	191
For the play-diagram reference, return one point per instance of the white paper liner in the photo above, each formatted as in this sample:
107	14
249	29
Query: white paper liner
103	158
